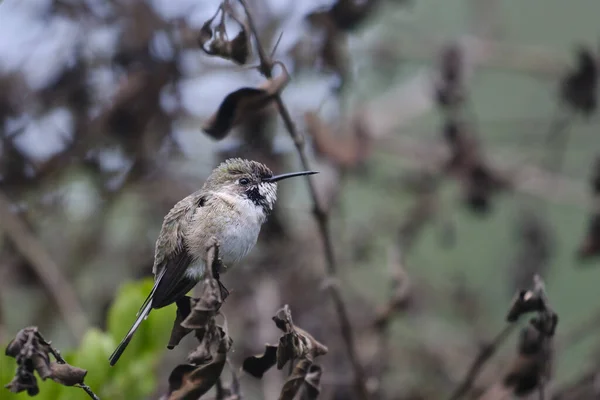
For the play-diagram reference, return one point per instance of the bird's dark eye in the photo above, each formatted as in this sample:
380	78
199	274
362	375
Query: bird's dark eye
244	181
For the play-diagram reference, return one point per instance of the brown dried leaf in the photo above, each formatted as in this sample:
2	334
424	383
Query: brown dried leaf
202	354
66	374
41	363
24	336
189	382
531	364
178	332
240	47
236	50
312	383
205	33
240	104
345	152
450	91
296	343
578	88
304	381
205	307
24	381
258	365
32	353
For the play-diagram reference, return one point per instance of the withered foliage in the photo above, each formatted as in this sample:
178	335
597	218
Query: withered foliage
241	104
294	344
329	30
204	364
532	366
304	382
531	370
578	88
215	41
450	92
34	354
467	163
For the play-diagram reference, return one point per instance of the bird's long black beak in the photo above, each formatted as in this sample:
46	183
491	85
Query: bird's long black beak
288	175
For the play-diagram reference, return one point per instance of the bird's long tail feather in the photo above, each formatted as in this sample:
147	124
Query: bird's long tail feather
141	316
123	345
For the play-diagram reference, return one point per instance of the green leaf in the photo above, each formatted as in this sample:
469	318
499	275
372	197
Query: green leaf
135	380
134	376
92	355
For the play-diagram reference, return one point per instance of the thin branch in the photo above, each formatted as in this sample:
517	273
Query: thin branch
485	354
61	360
46	269
266	67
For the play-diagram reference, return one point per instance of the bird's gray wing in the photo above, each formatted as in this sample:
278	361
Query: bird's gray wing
172	257
172	283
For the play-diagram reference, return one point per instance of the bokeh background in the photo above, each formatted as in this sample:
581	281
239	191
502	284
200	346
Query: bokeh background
102	105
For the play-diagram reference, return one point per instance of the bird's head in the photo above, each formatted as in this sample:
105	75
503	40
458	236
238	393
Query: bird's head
249	179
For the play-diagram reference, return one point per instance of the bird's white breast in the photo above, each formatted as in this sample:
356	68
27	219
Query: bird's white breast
240	233
234	221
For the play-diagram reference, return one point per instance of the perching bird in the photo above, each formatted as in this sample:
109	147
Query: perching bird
230	208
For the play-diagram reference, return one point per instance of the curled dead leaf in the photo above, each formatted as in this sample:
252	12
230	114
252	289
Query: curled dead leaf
205	307
178	332
295	343
242	103
531	364
205	33
66	374
258	365
240	47
578	88
237	50
188	381
202	353
305	379
32	353
24	380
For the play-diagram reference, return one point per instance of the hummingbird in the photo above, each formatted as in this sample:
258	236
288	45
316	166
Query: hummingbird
230	208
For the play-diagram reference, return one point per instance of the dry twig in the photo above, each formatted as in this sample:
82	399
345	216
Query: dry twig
266	67
485	354
32	353
50	275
